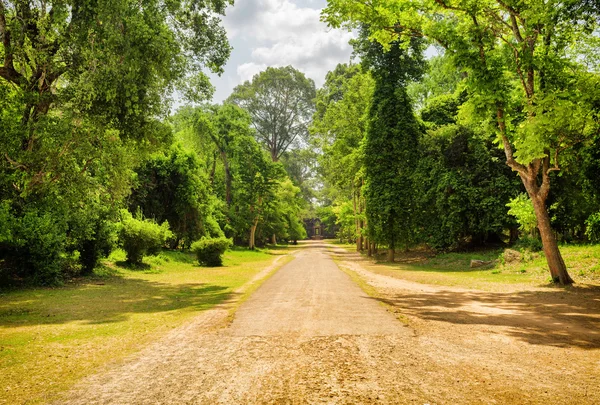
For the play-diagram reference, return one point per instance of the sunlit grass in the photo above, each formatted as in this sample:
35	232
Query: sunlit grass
50	338
453	269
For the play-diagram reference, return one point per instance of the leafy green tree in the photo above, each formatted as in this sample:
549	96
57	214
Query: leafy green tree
523	77
172	187
255	183
462	188
222	124
280	102
301	166
389	154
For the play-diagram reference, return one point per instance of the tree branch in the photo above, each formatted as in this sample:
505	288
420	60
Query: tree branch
510	160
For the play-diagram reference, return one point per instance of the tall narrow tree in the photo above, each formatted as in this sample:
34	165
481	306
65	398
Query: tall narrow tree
390	142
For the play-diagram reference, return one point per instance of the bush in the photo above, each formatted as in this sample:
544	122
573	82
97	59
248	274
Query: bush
593	227
209	251
529	243
141	237
32	244
98	244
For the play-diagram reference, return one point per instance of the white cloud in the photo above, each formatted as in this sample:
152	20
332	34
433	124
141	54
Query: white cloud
281	33
245	71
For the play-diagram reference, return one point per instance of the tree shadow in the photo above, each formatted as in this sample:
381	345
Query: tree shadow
553	318
114	300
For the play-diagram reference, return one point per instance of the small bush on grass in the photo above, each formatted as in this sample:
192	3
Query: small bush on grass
209	251
141	237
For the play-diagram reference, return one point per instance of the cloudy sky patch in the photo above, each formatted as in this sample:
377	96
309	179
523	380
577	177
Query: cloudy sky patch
279	33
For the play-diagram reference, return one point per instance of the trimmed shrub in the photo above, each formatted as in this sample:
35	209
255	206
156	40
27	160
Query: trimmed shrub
140	237
209	251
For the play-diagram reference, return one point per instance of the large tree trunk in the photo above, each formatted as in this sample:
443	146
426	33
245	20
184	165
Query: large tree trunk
558	269
274	239
539	194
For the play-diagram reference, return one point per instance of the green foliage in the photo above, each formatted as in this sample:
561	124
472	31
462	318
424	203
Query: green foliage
140	237
281	103
462	188
521	208
209	251
345	219
390	146
172	187
99	243
32	242
593	227
339	127
528	243
441	110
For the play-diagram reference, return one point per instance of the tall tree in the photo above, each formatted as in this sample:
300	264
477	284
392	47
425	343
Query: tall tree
280	102
392	134
521	71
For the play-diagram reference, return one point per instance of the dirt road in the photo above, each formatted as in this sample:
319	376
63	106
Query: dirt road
310	335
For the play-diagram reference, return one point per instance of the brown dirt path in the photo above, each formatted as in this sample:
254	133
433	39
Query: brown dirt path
310	335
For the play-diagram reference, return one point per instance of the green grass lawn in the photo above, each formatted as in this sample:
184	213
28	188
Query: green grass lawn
452	269
51	337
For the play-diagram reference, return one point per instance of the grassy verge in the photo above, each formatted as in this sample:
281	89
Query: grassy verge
453	269
51	337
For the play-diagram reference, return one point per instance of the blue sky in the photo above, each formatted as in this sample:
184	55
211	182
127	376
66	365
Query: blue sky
278	33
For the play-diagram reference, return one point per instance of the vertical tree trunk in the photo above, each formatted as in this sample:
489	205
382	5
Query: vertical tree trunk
252	243
390	254
356	223
274	239
227	179
370	248
558	269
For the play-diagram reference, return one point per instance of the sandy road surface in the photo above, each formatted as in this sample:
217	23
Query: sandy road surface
310	335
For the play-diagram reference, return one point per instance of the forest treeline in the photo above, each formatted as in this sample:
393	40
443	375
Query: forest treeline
507	117
494	139
92	159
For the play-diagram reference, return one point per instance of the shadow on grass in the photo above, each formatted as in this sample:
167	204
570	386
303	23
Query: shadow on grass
553	318
133	266
421	260
114	300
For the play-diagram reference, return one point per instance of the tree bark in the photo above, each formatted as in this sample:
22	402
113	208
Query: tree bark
356	222
274	239
538	194
252	243
558	269
390	254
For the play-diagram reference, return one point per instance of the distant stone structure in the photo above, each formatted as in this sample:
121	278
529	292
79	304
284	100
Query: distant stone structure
316	230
